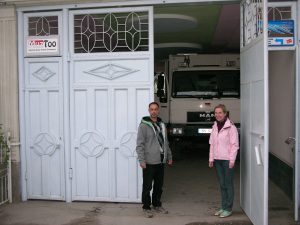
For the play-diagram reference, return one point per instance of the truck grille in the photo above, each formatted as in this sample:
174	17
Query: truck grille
200	116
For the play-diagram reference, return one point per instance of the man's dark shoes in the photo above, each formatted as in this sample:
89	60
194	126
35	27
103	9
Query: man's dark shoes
160	209
148	213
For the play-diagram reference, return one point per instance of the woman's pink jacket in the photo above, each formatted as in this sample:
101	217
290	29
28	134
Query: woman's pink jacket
224	145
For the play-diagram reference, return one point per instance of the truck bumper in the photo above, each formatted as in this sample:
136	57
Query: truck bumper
191	130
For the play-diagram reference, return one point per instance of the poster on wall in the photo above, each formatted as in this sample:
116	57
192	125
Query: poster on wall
281	33
42	45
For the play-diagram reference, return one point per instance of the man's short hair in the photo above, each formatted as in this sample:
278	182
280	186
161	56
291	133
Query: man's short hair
153	103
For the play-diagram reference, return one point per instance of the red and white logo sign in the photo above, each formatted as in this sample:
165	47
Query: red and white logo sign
41	45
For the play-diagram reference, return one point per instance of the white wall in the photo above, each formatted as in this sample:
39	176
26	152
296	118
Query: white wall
8	75
282	103
9	111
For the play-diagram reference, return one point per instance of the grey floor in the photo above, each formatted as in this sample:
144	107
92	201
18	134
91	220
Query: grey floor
191	194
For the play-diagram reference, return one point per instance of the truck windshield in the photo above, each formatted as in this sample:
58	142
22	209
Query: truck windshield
206	84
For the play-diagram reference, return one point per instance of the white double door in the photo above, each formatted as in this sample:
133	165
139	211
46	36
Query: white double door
104	116
81	118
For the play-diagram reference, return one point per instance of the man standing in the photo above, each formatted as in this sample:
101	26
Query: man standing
153	152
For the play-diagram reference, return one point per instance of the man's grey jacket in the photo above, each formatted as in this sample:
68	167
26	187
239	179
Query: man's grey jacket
148	148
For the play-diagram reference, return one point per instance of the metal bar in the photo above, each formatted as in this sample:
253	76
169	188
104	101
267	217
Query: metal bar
5	173
9	182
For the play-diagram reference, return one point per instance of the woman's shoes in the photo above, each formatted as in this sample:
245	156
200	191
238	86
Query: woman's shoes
225	214
218	213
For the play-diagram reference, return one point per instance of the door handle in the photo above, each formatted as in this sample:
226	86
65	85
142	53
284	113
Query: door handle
290	141
259	135
258	155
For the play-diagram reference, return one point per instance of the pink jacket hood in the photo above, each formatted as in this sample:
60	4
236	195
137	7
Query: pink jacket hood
224	145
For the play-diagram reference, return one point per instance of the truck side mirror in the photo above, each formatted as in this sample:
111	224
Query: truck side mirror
160	86
160	82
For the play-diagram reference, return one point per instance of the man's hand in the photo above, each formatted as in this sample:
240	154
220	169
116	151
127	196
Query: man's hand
143	165
210	164
170	162
231	165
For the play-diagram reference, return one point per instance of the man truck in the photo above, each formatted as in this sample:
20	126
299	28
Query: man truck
189	89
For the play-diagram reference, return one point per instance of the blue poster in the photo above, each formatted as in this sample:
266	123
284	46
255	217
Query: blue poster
281	33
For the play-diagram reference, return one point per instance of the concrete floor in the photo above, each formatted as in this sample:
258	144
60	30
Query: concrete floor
191	194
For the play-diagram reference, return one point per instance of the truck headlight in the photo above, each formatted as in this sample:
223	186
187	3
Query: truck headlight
177	131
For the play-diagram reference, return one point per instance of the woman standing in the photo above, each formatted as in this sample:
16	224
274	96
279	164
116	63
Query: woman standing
224	145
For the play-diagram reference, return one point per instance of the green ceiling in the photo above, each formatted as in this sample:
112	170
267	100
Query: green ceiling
207	17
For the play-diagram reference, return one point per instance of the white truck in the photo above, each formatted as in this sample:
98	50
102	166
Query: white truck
190	88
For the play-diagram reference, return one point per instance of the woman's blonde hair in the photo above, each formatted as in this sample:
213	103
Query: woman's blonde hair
223	107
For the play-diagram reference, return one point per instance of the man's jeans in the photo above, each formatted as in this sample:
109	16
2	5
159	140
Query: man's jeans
225	176
153	173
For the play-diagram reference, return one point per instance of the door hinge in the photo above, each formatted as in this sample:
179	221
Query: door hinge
26	175
70	173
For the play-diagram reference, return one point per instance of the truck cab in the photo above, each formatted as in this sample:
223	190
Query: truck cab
190	88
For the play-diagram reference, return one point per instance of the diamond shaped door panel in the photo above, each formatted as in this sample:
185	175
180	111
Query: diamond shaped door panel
107	72
42	73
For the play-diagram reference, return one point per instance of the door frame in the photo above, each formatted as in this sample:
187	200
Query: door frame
294	15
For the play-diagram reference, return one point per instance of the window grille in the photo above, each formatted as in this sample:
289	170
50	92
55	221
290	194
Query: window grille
111	32
280	13
43	26
251	21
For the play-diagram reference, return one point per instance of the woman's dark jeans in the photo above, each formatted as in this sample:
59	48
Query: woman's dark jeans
225	176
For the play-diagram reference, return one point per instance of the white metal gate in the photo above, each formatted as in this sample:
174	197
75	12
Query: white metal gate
111	84
87	93
254	111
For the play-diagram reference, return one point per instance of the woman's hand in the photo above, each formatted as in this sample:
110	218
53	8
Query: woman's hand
231	165
211	164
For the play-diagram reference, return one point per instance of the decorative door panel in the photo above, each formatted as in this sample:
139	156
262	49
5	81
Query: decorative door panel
133	70
104	130
44	129
90	155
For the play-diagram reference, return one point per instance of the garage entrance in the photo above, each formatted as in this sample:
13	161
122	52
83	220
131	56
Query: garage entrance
254	105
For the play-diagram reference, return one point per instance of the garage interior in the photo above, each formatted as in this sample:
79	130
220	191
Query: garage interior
215	28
